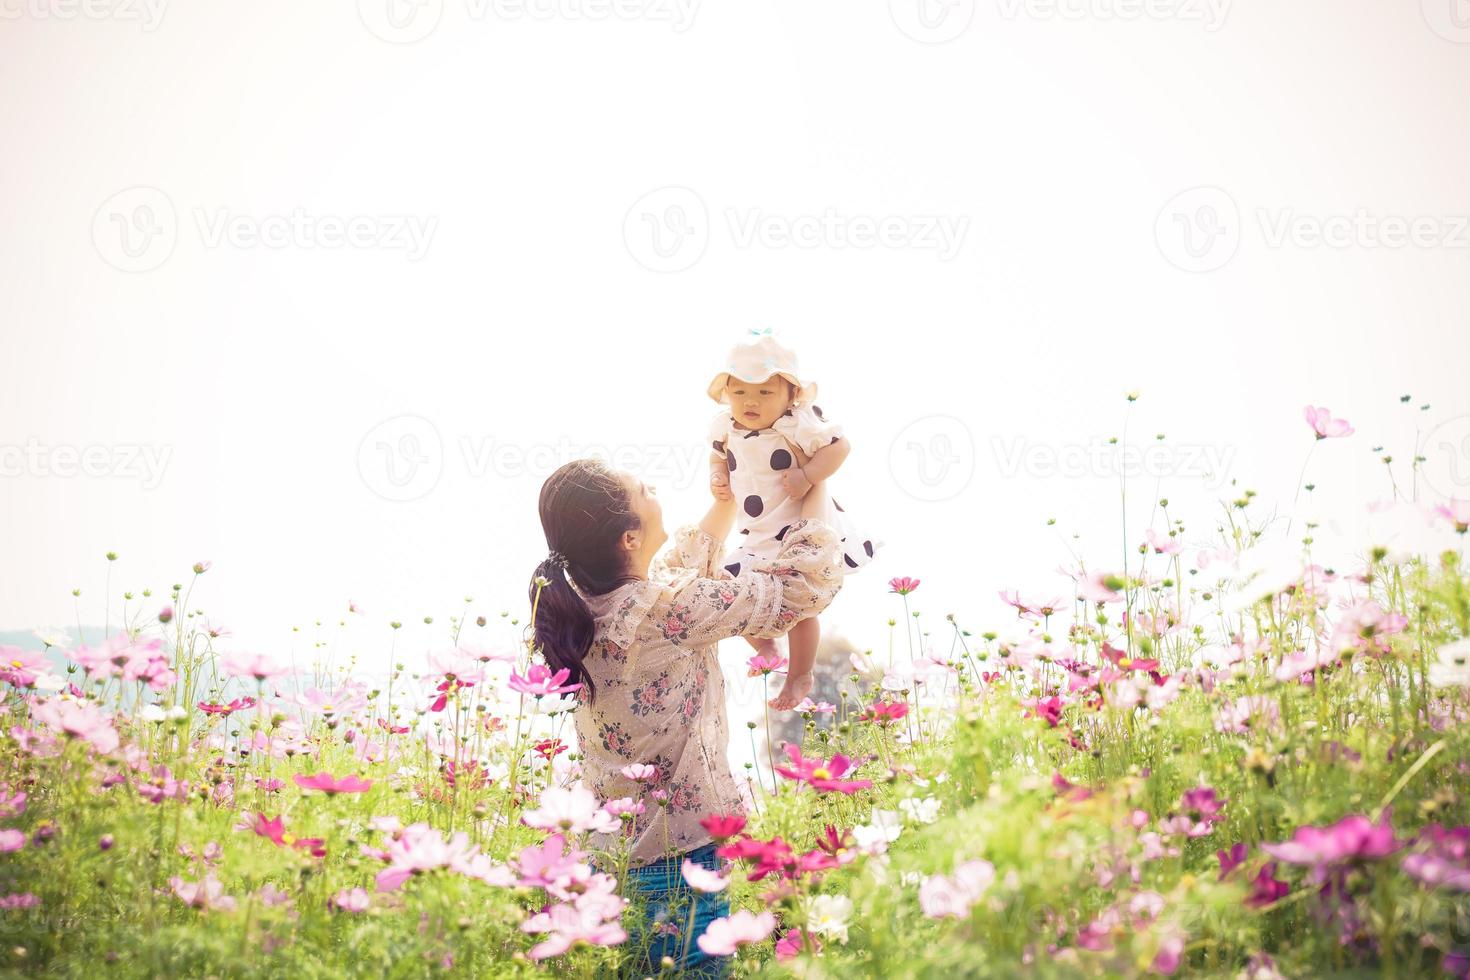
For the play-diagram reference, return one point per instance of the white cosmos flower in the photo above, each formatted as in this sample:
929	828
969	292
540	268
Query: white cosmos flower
827	915
924	810
875	836
151	712
1451	667
49	683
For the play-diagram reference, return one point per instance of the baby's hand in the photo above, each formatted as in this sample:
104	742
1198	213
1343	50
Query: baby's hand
793	692
719	486
796	483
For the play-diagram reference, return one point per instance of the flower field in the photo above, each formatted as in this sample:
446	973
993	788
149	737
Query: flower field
1187	760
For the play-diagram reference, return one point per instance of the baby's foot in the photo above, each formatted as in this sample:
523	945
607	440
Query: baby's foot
793	692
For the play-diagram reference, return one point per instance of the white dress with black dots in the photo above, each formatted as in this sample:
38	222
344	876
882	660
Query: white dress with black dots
763	511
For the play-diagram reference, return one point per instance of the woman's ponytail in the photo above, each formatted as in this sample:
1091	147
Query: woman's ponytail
584	511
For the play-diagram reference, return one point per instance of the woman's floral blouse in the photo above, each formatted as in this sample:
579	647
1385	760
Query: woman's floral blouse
660	696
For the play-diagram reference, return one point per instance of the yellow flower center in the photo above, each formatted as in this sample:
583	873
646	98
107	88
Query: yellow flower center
821	774
288	839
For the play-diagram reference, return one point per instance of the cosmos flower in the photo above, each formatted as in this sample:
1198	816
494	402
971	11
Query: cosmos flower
723	936
942	896
821	775
902	586
1324	426
701	879
327	783
541	682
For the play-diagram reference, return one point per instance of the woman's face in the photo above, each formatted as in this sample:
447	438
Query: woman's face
757	405
650	535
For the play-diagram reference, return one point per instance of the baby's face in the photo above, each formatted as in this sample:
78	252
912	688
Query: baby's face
758	405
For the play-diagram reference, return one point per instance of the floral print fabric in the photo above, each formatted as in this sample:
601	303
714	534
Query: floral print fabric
660	696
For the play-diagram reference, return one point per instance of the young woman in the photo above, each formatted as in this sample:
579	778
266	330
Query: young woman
640	635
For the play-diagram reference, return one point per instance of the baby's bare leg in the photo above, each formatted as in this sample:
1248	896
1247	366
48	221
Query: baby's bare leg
767	647
801	643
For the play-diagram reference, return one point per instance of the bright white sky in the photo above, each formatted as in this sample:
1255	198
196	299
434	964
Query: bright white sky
991	231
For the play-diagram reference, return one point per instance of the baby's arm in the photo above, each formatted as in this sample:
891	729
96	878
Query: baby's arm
719	476
815	468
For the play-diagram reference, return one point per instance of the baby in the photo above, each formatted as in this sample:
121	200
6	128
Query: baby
770	447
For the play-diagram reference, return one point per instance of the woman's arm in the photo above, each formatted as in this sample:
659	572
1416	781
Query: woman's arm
719	519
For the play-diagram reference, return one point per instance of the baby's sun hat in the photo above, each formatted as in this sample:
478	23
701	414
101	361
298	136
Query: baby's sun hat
757	358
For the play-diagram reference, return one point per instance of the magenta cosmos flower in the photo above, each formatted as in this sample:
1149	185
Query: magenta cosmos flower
1353	838
328	783
762	664
822	776
1324	425
541	682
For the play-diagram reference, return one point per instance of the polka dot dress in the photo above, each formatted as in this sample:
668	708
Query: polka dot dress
763	512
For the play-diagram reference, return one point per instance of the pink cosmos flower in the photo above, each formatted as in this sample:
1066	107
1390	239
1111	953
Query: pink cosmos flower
571	810
256	665
903	586
207	894
19	900
350	900
571	925
1231	859
722	827
883	713
820	775
342	701
640	772
22	667
1441	858
274	830
1164	545
11	840
1266	889
78	719
762	664
216	708
541	682
327	783
1353	838
701	879
815	707
419	849
1100	587
1457	512
942	896
551	865
1324	425
792	944
723	936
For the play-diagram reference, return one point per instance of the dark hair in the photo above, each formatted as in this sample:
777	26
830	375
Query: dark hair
584	511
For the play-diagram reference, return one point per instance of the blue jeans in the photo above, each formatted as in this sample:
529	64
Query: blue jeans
666	919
